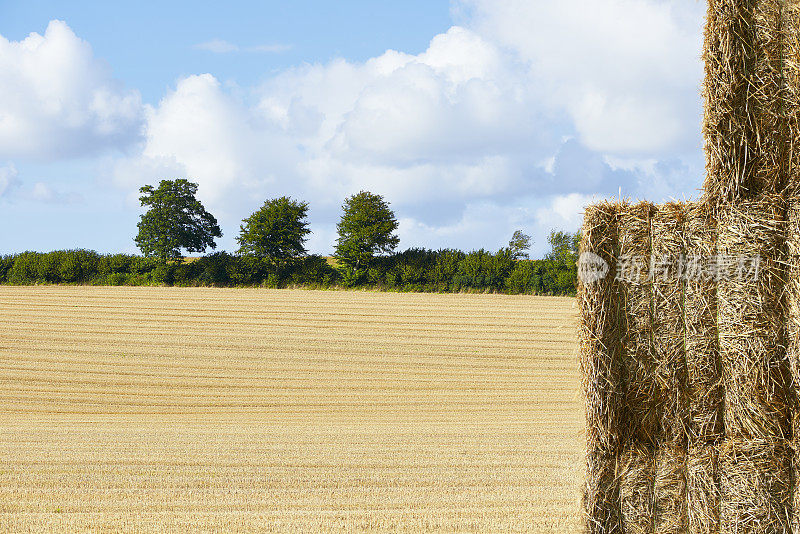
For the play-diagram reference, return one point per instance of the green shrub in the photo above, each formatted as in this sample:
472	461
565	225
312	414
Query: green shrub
120	263
313	271
116	279
215	269
6	262
48	268
25	268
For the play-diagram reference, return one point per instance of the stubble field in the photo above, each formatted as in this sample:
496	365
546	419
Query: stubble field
169	410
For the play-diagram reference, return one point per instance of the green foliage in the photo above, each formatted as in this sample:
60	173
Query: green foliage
175	220
314	271
277	231
366	229
25	269
414	269
519	245
6	262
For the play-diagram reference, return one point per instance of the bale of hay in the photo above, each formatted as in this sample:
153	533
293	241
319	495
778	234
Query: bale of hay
601	366
668	336
601	495
599	332
793	299
637	474
703	490
756	484
643	411
745	130
750	322
703	365
670	492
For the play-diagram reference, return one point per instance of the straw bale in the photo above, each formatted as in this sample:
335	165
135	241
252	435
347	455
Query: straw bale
744	125
755	482
600	334
670	496
667	227
637	473
703	365
601	495
751	325
703	488
793	304
643	410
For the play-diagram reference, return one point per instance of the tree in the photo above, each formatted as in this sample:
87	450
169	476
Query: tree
519	245
564	247
175	220
366	229
277	231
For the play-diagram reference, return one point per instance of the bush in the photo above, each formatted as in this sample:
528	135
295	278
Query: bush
116	279
25	268
6	262
163	275
313	271
524	278
215	269
48	268
120	263
70	269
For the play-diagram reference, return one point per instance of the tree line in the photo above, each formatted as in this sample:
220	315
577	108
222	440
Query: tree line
272	253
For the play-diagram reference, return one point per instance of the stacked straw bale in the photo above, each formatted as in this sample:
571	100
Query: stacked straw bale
702	362
755	457
744	127
643	408
601	365
668	346
704	381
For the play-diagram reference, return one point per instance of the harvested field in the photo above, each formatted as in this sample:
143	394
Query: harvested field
161	409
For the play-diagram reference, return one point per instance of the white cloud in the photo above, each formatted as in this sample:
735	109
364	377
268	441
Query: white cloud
221	46
626	71
218	46
514	120
57	100
9	179
42	192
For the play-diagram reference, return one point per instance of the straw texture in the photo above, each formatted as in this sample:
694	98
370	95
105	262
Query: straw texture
644	409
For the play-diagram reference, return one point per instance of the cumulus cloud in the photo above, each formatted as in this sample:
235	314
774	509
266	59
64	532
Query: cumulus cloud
514	119
57	100
626	71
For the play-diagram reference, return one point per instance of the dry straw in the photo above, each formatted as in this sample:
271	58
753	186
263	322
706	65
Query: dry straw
637	472
703	365
670	498
643	412
667	228
703	488
600	336
750	321
756	487
744	126
601	365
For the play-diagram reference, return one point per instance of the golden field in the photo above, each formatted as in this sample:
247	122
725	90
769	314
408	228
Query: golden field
215	410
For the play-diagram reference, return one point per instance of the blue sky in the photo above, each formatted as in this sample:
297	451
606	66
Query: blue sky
472	117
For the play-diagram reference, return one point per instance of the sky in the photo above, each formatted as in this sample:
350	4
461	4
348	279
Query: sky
473	118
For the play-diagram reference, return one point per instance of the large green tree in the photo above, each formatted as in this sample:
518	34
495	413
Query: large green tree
366	229
277	231
175	220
